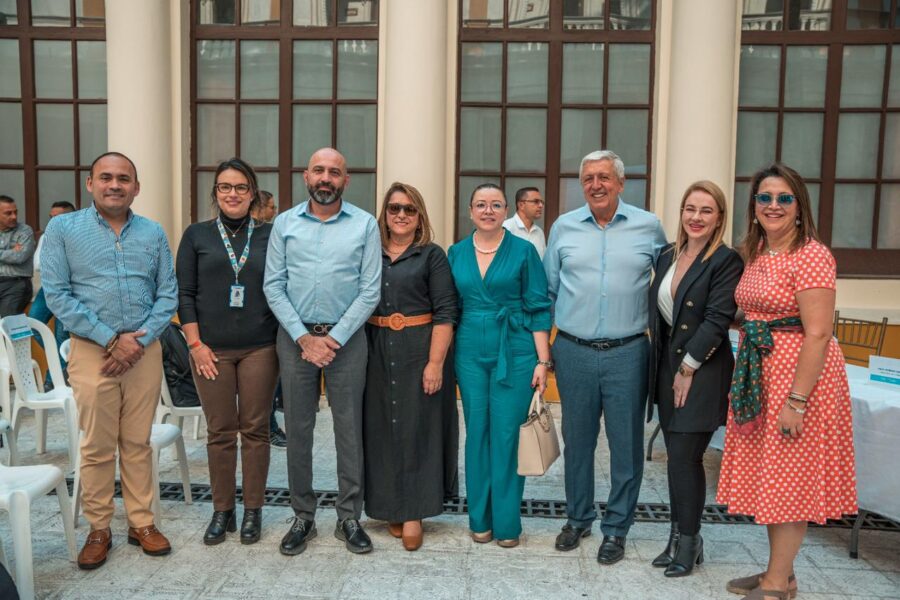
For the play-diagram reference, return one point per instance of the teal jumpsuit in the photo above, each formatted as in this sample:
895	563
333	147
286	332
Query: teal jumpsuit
495	361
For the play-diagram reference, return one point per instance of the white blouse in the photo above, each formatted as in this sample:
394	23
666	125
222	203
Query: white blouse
666	303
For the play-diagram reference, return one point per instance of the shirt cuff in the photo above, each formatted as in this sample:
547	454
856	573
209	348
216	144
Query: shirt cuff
691	362
102	335
298	331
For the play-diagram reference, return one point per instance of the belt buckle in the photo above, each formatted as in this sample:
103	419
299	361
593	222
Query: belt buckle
320	329
396	321
604	345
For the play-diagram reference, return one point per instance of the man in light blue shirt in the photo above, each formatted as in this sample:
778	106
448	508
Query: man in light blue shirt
323	280
598	262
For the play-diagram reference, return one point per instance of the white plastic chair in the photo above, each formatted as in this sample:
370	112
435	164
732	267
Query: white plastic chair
168	410
29	393
5	431
19	487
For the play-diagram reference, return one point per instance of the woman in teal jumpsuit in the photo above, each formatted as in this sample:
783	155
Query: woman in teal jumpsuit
503	353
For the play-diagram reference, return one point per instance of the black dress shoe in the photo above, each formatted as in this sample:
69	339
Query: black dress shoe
222	521
666	556
570	537
612	549
688	554
351	533
294	541
277	438
251	526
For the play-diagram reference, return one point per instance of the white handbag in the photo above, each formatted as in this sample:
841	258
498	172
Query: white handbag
538	442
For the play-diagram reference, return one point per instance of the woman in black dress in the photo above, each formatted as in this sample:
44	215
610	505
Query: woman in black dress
411	427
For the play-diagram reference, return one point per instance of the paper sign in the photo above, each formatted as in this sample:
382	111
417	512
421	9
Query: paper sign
17	327
884	370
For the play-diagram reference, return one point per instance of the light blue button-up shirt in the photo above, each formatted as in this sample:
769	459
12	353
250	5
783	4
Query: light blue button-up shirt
599	277
99	285
323	271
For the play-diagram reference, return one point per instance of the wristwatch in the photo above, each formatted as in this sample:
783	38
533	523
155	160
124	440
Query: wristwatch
685	371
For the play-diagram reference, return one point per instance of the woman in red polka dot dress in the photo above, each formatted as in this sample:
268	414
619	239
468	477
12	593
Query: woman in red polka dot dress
789	444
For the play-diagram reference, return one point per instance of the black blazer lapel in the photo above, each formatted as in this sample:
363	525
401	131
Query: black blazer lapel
694	271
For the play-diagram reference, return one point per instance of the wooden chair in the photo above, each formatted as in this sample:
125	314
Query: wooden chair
862	338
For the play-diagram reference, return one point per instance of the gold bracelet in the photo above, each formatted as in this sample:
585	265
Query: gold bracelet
799	411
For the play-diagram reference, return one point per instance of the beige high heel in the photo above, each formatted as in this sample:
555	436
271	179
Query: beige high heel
482	538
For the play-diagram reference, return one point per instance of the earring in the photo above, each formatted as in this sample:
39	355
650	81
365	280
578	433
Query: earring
755	221
797	222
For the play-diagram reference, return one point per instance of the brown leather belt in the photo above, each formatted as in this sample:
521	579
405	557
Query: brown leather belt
398	321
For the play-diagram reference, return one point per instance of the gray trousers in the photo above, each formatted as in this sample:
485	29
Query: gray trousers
345	380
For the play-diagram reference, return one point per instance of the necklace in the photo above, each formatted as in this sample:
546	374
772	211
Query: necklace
234	232
492	251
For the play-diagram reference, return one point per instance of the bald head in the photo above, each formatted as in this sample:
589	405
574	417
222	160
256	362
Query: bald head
326	176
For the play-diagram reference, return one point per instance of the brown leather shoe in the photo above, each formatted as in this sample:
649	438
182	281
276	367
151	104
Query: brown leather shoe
396	530
95	549
150	539
412	535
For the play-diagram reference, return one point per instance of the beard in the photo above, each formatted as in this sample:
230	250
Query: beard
325	194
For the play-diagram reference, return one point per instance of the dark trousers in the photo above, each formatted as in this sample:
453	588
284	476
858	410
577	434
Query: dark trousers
345	380
687	479
15	294
237	402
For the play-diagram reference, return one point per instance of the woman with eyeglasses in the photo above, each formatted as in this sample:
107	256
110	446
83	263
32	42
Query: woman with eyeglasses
502	355
692	305
789	444
231	335
410	421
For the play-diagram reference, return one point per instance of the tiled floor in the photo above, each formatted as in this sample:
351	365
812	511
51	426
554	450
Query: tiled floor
449	565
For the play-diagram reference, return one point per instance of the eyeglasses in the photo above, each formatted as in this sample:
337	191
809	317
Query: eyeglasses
494	206
538	201
766	198
225	188
408	209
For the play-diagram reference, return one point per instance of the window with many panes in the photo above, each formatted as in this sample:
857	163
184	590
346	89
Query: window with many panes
52	101
541	84
820	91
274	80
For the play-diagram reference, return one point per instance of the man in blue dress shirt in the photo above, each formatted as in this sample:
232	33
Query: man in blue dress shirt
108	277
323	280
598	262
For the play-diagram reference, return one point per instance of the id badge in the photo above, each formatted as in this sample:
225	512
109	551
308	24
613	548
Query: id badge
236	296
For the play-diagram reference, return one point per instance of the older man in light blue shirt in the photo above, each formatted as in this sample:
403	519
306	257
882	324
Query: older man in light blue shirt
599	262
323	280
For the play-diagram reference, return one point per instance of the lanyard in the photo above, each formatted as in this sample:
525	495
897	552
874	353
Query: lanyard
236	265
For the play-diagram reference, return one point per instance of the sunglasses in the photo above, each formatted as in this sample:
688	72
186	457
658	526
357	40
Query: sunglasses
225	188
766	198
409	209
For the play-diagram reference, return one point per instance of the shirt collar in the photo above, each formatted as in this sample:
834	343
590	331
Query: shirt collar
622	209
520	224
102	221
304	211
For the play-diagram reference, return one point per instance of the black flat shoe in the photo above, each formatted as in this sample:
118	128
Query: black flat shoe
277	439
570	537
351	533
612	549
688	554
222	521
666	556
294	541
251	526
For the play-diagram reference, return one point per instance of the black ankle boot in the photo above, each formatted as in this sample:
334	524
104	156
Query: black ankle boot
667	555
688	554
251	526
222	521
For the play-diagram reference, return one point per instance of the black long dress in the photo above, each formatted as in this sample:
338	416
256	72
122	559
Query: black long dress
411	439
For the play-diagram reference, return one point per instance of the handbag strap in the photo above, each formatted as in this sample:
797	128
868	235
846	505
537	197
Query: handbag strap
537	403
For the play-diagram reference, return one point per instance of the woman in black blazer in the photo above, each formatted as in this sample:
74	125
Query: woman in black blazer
691	306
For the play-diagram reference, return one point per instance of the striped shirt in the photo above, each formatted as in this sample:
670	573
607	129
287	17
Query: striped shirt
16	262
99	285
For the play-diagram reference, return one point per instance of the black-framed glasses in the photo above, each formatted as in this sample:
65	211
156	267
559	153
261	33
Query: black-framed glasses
225	188
765	198
394	208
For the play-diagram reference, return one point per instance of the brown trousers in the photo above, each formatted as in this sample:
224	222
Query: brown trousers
239	401
115	412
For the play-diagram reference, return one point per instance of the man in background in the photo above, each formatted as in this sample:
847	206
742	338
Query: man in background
529	208
16	251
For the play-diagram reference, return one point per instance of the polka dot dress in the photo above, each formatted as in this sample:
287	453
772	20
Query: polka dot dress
765	475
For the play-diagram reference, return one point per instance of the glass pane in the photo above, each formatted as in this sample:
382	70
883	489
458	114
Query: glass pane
587	14
51	13
55	134
630	14
804	79
857	146
91	69
357	69
313	69
801	143
854	209
10	78
361	191
357	12
12	182
629	73
90	13
11	126
894	89
312	13
311	131
53	69
889	216
626	135
479	139
215	69
259	69
298	189
467	185
862	79
205	210
813	189
83	193
216	12
534	15
268	181
739	212
356	128
868	14
513	184
482	13
582	78
54	186
526	139
804	15
763	16
581	134
260	12
259	135
571	195
481	75
8	14
92	140
635	192
215	133
526	72
760	72
891	166
755	141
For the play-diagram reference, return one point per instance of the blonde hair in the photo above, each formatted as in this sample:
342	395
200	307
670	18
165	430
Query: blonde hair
718	195
424	232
